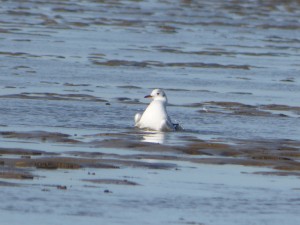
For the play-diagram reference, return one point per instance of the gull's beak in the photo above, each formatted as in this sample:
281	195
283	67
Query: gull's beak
148	96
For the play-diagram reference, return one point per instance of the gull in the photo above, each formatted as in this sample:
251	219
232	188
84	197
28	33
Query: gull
155	117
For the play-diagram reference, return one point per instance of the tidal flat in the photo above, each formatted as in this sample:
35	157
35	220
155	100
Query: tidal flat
73	75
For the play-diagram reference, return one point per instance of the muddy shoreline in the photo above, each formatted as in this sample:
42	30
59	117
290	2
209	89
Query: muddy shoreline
17	163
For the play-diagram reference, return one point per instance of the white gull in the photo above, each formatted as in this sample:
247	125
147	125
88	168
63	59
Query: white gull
155	117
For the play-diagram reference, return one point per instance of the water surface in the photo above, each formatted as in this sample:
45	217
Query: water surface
74	73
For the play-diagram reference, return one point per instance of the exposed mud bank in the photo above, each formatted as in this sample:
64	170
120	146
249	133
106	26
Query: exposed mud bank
277	154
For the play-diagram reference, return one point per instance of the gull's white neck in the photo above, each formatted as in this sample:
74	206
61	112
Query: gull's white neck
163	100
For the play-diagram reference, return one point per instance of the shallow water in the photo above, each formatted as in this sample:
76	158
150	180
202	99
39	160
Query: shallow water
214	196
81	68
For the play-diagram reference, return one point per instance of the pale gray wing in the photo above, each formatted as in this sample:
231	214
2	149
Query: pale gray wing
166	125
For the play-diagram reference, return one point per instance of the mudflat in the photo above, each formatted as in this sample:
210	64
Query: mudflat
74	73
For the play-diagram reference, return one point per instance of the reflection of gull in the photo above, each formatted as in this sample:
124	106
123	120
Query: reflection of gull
158	137
155	116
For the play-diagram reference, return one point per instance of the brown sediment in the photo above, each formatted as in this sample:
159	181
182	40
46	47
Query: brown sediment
62	162
231	161
8	172
21	151
270	153
209	148
289	167
276	107
54	165
290	154
57	163
126	144
278	154
268	157
15	175
40	135
112	181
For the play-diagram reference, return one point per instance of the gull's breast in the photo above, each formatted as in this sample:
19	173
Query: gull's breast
154	115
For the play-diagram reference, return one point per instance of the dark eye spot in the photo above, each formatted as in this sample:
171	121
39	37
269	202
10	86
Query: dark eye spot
157	93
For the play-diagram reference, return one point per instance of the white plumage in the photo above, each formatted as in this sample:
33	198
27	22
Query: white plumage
155	117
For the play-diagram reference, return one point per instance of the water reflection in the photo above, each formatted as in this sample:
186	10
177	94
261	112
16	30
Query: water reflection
154	137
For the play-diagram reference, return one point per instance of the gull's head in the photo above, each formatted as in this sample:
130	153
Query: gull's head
157	94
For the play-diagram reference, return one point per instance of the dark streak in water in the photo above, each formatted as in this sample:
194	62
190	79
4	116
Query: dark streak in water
222	53
175	64
237	108
55	96
111	181
42	136
128	100
17	54
129	87
76	85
